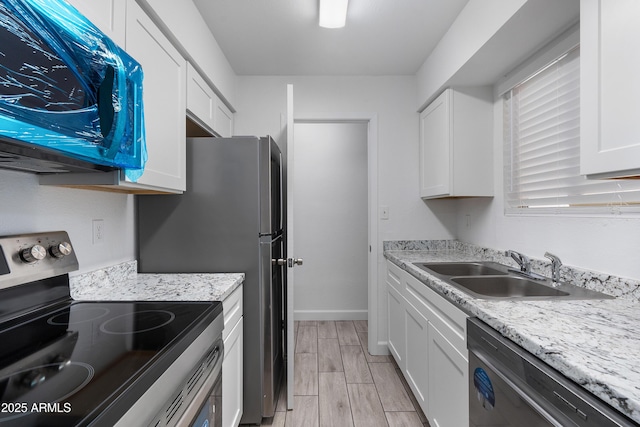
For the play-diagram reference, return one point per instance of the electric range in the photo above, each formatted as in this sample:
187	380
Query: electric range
75	363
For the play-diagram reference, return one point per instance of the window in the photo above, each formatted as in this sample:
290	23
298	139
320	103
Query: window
542	148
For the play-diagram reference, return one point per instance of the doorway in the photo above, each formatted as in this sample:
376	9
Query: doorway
331	205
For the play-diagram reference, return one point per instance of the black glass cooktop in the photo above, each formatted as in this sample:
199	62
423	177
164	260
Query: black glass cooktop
68	365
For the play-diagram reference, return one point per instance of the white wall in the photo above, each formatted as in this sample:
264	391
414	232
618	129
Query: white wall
605	244
473	28
262	102
27	207
330	208
187	28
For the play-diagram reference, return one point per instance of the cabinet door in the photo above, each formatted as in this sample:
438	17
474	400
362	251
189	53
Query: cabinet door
201	100
164	100
107	15
417	357
609	99
435	147
397	330
223	119
232	377
448	383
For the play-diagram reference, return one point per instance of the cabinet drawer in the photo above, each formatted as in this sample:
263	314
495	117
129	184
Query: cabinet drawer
232	307
395	275
446	317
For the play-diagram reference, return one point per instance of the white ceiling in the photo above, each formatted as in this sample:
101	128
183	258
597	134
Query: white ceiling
282	37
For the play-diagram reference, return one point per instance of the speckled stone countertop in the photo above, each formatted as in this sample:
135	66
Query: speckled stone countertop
122	282
596	343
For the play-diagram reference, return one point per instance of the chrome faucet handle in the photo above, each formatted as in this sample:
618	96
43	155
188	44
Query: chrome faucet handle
523	261
555	266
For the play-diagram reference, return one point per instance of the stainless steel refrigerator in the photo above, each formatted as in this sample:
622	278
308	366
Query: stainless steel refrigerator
230	219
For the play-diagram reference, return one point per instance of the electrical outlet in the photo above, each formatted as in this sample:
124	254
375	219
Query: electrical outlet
98	231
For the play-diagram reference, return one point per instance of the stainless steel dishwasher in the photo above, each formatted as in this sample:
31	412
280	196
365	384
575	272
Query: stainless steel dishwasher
509	387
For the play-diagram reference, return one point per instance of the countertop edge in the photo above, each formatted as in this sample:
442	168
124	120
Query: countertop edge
122	282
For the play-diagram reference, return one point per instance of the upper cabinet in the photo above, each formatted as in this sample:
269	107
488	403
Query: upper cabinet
164	103
456	146
164	100
201	100
107	15
171	90
609	97
223	119
205	107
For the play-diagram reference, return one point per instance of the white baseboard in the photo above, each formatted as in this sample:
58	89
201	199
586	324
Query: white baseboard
330	314
380	350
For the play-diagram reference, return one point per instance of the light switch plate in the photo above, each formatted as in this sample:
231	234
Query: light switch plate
384	212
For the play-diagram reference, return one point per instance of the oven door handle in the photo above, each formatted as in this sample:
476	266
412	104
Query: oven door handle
204	392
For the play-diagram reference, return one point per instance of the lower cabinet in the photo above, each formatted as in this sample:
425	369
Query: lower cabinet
416	364
232	367
427	338
448	382
395	315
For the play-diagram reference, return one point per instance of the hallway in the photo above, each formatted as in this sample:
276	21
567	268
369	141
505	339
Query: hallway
338	383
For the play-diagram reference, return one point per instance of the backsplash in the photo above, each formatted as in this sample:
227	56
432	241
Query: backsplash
112	277
617	286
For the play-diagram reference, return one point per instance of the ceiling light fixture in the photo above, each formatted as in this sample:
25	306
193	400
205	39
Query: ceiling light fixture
333	13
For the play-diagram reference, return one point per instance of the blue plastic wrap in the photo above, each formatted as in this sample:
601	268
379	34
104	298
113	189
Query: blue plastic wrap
66	86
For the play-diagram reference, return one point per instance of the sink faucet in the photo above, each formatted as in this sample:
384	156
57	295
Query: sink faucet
555	267
523	261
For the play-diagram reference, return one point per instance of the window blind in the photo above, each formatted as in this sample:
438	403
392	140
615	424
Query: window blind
542	148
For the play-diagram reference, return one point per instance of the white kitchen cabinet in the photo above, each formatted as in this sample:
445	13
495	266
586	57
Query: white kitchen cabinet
427	337
232	365
201	99
205	107
609	99
164	102
108	15
395	315
223	119
448	383
164	97
456	144
417	355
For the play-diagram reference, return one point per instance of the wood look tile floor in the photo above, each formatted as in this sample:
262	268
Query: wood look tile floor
338	383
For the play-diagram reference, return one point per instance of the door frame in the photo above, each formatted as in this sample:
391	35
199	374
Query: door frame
371	119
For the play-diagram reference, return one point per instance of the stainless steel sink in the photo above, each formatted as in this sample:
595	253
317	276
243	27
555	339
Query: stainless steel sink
491	280
463	268
506	287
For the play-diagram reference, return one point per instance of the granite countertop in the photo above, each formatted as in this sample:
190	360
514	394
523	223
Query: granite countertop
596	343
122	282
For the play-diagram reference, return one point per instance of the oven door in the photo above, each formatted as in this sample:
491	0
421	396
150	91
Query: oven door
210	414
205	406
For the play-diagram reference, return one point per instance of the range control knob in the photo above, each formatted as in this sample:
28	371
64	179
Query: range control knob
61	250
33	378
33	254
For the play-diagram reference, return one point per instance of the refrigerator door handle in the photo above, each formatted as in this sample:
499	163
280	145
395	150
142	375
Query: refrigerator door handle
282	195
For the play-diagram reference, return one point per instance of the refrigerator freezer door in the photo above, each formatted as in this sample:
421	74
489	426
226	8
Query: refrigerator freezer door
271	188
